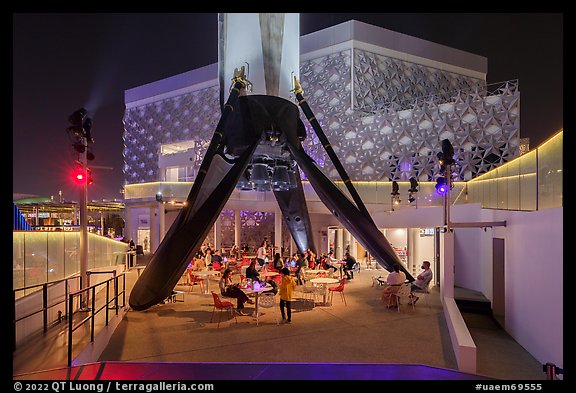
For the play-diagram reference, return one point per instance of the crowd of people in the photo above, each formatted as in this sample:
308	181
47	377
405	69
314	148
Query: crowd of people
291	273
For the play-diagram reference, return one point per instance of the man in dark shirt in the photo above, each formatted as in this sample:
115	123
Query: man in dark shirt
348	268
216	257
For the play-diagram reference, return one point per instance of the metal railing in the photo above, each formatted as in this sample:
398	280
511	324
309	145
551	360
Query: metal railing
45	306
91	293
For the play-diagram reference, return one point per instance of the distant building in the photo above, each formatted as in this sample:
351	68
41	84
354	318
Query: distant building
385	100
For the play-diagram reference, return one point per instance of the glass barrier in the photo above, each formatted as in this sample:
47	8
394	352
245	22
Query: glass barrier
529	182
371	192
532	181
39	257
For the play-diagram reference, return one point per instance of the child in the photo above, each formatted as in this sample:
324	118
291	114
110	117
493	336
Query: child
286	289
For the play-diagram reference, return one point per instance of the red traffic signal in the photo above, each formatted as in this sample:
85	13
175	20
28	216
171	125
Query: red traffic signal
81	175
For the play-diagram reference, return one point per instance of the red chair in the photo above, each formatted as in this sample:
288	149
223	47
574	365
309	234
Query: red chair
277	279
339	288
245	262
217	266
221	305
194	280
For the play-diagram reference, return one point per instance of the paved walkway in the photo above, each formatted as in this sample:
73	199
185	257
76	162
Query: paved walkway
363	331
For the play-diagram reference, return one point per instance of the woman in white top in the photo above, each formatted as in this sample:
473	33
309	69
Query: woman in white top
261	253
393	281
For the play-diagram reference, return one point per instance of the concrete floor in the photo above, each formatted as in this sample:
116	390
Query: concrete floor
363	331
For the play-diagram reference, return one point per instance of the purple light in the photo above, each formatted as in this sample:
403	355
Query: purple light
441	189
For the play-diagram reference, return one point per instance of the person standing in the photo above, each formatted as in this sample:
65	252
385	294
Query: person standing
286	290
261	253
300	265
208	257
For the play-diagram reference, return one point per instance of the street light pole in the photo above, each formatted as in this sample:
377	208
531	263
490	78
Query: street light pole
84	231
79	131
448	175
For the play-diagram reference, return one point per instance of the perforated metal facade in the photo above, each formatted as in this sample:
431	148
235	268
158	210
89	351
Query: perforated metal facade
385	124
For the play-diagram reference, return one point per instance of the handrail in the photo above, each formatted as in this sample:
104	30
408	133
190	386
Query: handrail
45	306
45	283
93	311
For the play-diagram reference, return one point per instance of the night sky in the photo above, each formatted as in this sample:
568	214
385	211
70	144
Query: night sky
62	62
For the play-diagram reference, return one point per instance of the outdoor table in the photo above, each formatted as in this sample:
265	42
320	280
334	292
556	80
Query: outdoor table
268	274
324	281
206	274
257	293
341	263
315	271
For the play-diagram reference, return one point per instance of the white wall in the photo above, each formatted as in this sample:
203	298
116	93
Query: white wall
533	269
534	282
397	237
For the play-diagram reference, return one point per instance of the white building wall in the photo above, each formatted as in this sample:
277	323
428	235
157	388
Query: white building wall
533	269
534	282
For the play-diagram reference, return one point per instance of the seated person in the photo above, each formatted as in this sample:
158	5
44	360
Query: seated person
277	262
327	263
393	283
216	257
349	266
229	289
198	264
422	281
311	259
251	272
300	264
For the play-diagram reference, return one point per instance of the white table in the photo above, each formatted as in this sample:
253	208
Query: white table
313	272
341	263
269	274
324	281
206	274
257	293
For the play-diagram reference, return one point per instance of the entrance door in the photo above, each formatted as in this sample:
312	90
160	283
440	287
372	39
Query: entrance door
498	281
144	239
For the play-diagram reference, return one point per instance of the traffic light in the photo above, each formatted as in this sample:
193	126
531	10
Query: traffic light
89	178
77	120
81	127
81	175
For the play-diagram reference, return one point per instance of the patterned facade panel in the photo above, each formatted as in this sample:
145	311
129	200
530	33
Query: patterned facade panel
190	116
255	227
401	134
381	81
394	141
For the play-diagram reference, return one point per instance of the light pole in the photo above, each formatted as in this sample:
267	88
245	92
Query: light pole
444	183
80	131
